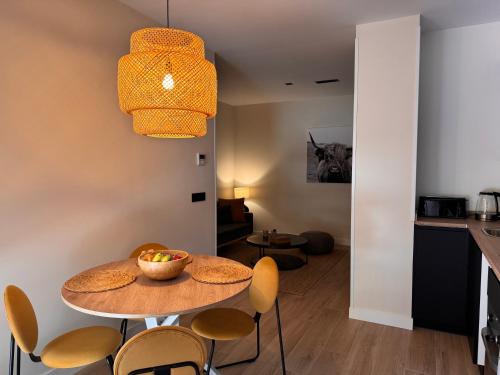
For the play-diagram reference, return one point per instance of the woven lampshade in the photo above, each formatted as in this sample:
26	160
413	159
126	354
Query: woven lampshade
166	84
242	192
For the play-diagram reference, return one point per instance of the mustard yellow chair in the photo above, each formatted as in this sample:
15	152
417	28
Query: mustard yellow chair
135	254
147	246
160	350
73	349
231	324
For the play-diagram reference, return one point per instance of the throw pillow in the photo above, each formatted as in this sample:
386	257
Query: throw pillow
237	208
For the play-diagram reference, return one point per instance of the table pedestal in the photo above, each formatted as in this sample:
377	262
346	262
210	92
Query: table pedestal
283	261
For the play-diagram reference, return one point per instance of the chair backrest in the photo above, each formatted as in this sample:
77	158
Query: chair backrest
21	318
265	284
147	246
161	346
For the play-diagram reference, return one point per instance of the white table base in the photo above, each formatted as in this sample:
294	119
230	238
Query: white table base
213	370
172	320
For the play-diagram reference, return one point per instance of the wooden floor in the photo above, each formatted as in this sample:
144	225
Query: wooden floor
321	339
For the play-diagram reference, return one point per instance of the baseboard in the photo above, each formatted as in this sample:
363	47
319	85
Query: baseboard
381	317
55	371
343	241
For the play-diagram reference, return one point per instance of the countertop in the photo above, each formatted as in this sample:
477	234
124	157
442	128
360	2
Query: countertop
490	246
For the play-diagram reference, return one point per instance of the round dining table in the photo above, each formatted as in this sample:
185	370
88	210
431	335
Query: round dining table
157	302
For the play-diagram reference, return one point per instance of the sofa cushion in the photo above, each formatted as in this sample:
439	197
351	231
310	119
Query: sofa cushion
224	215
230	232
237	208
231	227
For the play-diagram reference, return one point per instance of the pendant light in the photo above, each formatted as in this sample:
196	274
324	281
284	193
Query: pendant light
166	83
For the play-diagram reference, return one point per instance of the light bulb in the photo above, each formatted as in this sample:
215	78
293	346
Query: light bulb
168	82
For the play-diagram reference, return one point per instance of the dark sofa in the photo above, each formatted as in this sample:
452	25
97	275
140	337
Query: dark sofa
228	232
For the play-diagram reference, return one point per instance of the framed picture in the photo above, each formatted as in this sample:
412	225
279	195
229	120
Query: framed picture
329	154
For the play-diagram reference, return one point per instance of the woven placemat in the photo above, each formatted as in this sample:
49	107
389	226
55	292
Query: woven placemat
222	274
98	281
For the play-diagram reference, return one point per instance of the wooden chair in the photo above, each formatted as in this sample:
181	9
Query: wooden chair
73	349
160	350
231	324
135	254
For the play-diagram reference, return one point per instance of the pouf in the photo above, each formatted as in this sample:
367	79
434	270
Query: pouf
318	242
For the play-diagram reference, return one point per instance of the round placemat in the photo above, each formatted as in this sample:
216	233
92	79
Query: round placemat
222	274
98	281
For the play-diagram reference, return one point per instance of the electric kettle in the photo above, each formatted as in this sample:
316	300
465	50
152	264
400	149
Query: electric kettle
487	206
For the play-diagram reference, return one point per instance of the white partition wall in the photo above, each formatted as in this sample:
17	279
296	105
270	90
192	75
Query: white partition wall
383	190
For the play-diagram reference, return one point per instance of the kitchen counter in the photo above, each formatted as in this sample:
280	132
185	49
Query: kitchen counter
490	246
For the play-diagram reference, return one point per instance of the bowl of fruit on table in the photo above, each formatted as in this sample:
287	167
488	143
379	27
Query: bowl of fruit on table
163	264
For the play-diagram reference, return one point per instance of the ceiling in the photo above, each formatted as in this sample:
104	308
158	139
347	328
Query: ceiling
261	44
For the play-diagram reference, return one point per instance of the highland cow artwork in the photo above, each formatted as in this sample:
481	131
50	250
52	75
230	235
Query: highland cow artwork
329	154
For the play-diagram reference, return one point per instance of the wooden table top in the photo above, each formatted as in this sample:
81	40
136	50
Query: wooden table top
147	298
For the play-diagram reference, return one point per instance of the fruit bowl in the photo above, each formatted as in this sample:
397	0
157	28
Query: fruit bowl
163	264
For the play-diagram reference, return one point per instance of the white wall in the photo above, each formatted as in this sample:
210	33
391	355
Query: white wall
385	144
78	187
271	157
225	139
459	118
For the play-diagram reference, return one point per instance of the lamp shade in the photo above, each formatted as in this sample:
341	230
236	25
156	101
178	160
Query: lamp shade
242	192
166	84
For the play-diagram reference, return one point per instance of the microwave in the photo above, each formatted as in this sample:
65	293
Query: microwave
442	207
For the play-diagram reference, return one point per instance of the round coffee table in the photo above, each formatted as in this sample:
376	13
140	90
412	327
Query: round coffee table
284	261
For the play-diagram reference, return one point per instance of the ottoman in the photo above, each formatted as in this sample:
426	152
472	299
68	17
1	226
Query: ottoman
318	242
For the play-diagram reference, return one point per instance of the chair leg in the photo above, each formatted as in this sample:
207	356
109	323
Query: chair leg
258	341
12	351
280	337
18	360
123	330
249	360
210	357
109	360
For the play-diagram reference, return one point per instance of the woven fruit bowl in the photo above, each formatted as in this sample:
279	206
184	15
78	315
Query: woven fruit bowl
163	264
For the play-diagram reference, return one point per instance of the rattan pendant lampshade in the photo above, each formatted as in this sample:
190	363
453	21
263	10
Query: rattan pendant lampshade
166	84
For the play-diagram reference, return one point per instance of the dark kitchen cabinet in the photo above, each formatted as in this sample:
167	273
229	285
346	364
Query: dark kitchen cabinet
440	279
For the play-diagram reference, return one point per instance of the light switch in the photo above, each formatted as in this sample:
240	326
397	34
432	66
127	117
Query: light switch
200	159
198	197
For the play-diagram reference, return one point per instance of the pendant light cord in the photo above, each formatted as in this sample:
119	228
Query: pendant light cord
168	13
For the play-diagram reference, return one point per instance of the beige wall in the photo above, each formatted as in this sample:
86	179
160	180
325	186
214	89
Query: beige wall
385	148
270	157
458	119
225	139
78	187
